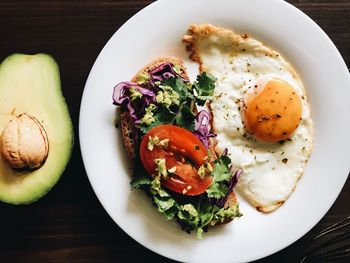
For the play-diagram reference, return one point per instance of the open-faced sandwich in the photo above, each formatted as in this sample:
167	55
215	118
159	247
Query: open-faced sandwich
166	131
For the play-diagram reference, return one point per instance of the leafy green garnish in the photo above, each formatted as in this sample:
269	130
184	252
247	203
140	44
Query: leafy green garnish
162	116
149	118
183	89
138	181
195	214
190	209
185	118
216	190
222	174
174	102
204	87
164	203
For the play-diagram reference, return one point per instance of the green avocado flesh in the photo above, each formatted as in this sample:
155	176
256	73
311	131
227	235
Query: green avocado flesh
31	84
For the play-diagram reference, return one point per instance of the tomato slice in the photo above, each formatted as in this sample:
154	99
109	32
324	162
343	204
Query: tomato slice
185	152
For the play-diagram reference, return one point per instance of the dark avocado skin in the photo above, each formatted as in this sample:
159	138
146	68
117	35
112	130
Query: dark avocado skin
31	84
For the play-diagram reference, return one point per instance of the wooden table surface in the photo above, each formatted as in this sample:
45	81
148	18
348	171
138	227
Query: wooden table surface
69	224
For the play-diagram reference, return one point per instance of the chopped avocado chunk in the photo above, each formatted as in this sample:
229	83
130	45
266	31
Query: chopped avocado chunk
201	171
143	78
161	168
209	167
154	141
177	69
156	188
204	170
172	170
224	213
31	84
167	96
135	94
148	118
155	185
163	143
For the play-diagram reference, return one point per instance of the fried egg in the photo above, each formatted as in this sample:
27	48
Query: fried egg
260	110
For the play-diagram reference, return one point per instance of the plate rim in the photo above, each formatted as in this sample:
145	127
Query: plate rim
123	27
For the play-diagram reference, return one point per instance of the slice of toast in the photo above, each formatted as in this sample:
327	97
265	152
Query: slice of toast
127	123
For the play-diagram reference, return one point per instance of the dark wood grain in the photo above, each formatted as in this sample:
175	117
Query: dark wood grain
69	224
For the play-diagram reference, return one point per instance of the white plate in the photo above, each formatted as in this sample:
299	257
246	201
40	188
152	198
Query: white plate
156	31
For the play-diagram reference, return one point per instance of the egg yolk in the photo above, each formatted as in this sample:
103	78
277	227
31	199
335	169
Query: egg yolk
272	111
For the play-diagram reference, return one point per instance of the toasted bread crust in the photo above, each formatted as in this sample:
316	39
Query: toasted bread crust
159	61
127	132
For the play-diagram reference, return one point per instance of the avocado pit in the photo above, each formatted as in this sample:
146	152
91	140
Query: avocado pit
24	143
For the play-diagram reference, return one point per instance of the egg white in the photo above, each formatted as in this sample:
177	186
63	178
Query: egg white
270	170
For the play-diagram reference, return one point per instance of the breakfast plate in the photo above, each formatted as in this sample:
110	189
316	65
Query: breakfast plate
157	31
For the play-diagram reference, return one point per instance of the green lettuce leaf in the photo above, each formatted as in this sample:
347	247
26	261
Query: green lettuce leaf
204	86
185	118
162	116
221	174
164	203
138	181
182	88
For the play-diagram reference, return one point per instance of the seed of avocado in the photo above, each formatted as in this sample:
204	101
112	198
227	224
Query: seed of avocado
31	84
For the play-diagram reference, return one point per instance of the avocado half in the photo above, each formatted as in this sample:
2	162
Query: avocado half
31	84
